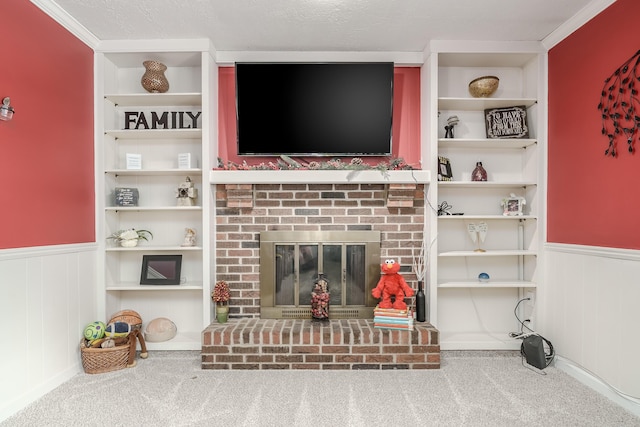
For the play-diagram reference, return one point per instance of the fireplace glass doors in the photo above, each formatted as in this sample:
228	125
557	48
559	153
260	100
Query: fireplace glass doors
290	263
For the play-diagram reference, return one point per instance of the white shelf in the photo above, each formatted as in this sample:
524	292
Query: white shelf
486	217
151	208
145	248
319	177
482	143
155	99
478	341
137	287
486	184
488	253
152	172
184	340
155	133
474	284
479	104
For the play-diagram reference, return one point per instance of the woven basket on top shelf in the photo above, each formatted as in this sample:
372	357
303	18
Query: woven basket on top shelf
101	360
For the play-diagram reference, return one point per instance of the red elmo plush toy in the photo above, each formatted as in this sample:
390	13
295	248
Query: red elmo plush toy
392	284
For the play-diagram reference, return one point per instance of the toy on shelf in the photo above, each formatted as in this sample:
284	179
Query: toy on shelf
392	284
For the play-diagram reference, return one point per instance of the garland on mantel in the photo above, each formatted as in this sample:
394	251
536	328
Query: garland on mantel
287	163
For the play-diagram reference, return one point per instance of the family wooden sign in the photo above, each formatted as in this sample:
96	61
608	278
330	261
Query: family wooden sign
161	120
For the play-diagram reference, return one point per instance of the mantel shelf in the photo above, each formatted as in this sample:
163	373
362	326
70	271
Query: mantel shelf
368	176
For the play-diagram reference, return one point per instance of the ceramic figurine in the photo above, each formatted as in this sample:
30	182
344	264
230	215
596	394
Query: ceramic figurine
451	122
479	174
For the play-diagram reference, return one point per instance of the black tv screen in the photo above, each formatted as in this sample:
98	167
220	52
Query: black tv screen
314	109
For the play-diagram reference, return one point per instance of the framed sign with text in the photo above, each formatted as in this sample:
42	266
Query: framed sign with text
510	122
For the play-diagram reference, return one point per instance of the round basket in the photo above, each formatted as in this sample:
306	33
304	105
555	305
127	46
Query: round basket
127	316
101	360
484	86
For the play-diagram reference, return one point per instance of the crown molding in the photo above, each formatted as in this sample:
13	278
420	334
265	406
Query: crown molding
228	58
67	21
576	21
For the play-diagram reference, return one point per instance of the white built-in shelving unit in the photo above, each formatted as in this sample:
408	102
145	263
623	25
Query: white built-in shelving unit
469	314
118	90
474	315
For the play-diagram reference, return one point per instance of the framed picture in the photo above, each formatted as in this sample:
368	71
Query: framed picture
126	196
513	205
161	269
444	169
510	122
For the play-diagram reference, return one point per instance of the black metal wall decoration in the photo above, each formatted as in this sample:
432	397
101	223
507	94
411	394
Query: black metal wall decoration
619	105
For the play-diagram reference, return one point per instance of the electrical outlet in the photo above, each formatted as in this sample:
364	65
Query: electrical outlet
532	297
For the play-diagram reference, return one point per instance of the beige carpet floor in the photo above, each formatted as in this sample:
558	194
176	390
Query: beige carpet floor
471	389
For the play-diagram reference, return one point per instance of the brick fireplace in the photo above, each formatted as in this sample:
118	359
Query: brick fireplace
307	207
244	210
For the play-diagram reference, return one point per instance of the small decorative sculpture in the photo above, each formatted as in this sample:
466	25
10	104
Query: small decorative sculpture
186	193
153	80
189	237
444	208
479	173
320	298
451	122
478	232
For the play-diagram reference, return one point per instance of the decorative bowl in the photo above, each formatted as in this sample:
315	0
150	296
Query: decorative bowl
484	86
483	277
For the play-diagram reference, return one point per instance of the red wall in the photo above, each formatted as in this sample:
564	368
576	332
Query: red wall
406	118
46	151
592	199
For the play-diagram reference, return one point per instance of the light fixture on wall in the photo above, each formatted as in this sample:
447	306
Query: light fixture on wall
6	110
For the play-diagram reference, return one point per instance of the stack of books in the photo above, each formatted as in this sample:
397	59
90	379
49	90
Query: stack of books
391	318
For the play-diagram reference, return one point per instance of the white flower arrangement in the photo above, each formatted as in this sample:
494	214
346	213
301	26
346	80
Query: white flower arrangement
130	237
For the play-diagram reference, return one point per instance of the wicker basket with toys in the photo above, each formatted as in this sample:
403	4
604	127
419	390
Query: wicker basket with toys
110	347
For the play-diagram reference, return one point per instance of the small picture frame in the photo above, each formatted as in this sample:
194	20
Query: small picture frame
513	205
134	161
444	169
186	161
510	122
161	269
126	196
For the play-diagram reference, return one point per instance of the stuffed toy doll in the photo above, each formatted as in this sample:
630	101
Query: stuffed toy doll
392	284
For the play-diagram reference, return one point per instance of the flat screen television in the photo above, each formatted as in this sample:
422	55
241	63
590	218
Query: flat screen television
314	109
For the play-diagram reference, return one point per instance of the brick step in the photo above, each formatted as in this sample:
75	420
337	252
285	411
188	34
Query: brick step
306	344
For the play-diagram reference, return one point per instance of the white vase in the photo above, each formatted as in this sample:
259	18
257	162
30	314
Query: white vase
129	243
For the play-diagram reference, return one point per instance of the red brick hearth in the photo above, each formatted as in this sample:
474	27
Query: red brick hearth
251	343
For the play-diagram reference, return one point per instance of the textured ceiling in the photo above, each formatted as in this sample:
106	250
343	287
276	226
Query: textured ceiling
322	25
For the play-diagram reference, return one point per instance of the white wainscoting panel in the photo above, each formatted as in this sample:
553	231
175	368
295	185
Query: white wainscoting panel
589	305
47	296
